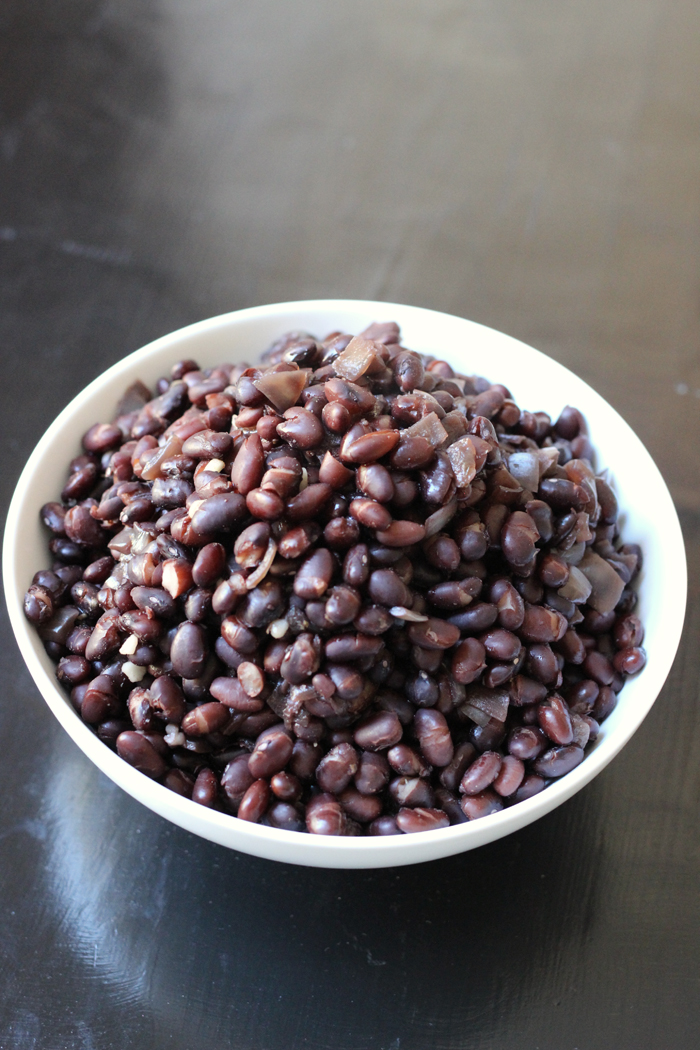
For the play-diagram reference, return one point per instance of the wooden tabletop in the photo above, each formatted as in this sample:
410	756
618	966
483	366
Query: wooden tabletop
530	164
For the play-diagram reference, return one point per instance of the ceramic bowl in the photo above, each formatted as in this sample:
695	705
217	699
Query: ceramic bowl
537	383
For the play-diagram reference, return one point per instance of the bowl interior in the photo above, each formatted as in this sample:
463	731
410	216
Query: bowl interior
537	383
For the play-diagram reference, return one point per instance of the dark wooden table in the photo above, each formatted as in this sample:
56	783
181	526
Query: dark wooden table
533	165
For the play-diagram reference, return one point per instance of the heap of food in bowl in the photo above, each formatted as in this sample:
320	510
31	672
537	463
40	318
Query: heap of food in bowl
348	591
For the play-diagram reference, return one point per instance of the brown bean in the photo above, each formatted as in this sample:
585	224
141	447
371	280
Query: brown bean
371	514
453	772
248	466
363	808
189	650
205	788
411	791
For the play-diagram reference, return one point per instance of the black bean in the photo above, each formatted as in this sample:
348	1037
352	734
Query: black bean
381	730
434	737
337	768
140	752
468	660
189	650
421	819
481	805
558	761
407	762
411	791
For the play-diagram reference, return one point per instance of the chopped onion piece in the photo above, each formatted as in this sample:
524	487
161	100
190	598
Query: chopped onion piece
282	389
358	357
493	702
215	466
577	588
606	585
574	554
480	717
278	628
172	447
436	522
462	455
548	459
130	646
525	468
132	671
430	428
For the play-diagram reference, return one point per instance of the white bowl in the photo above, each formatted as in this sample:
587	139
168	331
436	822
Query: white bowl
537	383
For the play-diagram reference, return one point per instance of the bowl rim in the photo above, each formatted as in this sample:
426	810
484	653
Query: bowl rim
266	841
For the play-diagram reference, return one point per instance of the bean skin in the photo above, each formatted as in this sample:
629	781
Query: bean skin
481	773
205	788
385	825
542	625
510	777
407	762
206	718
230	691
315	574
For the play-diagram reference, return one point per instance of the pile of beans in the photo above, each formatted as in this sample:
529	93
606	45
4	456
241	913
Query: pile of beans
348	591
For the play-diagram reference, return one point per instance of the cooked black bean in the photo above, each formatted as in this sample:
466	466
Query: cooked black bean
334	560
558	761
271	753
140	752
381	730
189	650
